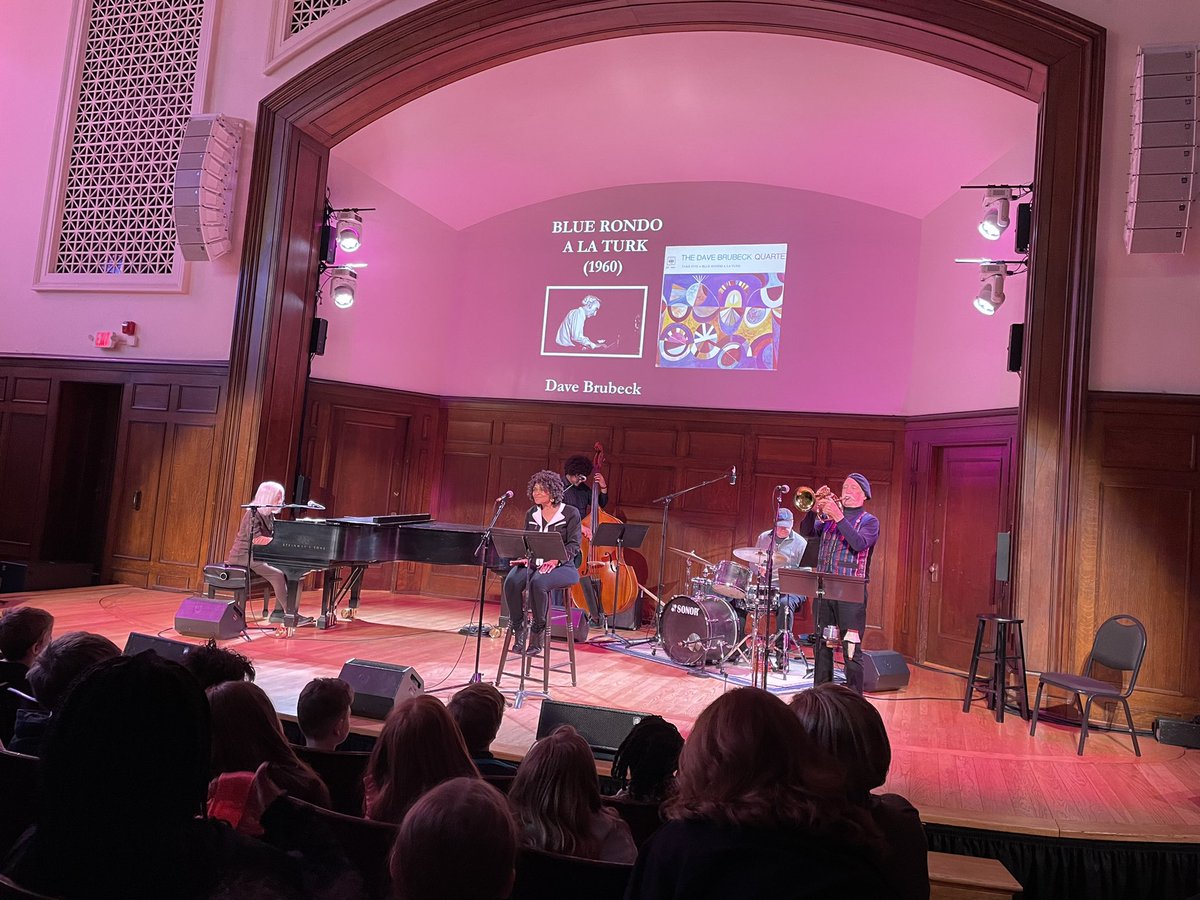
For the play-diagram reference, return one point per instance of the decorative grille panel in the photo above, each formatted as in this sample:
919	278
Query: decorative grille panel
305	12
138	78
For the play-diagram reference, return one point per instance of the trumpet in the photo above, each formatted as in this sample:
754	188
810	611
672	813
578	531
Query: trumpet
806	498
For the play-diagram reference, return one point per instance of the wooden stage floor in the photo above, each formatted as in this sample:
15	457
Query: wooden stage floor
958	769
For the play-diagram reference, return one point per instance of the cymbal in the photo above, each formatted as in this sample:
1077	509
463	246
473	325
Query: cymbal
690	556
758	555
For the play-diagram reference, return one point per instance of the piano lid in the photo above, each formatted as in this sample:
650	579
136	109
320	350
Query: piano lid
400	519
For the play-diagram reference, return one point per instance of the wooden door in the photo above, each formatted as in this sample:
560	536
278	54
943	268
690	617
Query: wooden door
958	580
367	467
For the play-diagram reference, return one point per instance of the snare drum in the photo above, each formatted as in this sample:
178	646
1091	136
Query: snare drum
700	586
696	630
731	579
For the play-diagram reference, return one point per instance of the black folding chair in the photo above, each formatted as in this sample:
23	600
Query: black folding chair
1120	644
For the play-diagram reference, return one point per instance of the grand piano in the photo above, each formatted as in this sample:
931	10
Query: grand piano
301	546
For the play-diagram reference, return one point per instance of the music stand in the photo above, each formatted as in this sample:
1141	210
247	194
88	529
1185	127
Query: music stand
619	535
823	586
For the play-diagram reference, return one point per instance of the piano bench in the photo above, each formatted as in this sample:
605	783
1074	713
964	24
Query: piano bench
233	579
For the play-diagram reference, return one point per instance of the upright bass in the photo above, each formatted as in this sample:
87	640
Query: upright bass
617	581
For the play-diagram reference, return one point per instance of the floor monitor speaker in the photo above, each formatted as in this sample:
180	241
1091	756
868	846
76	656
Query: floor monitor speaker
603	728
378	686
579	624
164	647
884	670
210	618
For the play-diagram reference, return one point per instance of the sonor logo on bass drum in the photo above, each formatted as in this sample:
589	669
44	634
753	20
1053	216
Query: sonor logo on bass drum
686	610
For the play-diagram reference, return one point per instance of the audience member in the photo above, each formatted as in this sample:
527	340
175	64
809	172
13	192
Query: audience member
851	730
213	665
24	631
58	665
555	799
124	774
478	710
754	789
323	712
646	761
459	816
418	748
246	733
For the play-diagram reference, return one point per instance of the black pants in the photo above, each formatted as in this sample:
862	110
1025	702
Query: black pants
847	617
540	585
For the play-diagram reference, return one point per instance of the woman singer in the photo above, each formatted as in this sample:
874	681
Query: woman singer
548	513
258	527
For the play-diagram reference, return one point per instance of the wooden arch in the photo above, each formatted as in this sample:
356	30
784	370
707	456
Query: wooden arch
1021	45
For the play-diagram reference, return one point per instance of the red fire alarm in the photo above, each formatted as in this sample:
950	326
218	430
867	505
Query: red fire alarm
129	328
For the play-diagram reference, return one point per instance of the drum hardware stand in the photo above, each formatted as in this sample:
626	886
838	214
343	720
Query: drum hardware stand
665	500
759	657
481	553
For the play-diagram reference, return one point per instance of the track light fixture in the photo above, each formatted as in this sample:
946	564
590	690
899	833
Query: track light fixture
992	272
991	292
342	287
349	225
996	200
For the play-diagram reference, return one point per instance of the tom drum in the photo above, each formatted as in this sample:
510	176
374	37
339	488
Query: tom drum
697	630
731	579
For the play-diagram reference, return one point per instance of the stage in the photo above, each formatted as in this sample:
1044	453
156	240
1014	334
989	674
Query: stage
962	770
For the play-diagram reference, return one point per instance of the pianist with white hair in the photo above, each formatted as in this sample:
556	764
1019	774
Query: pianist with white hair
257	528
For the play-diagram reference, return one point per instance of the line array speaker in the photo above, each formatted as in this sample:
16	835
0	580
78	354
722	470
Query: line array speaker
204	181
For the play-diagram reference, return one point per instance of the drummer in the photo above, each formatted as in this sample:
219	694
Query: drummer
791	546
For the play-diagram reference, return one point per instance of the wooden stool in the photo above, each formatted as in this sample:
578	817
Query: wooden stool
559	612
995	687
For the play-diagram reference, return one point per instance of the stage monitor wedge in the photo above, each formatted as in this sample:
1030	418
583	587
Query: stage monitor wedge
207	617
164	647
884	670
603	728
378	686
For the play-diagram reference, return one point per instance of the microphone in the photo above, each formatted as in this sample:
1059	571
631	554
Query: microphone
783	488
507	495
313	504
733	475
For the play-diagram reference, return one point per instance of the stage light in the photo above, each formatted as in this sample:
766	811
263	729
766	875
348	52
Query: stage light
349	230
991	292
995	219
342	287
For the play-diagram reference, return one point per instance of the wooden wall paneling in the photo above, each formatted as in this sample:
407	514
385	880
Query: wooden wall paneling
187	497
23	438
1138	541
143	448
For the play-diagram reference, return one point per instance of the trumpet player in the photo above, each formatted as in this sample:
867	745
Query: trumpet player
847	534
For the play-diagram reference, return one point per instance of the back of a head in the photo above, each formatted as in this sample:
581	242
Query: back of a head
21	630
555	792
649	756
747	761
463	815
850	730
245	728
322	706
418	748
211	664
129	745
478	710
63	660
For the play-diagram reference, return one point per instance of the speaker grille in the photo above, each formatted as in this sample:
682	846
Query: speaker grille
603	728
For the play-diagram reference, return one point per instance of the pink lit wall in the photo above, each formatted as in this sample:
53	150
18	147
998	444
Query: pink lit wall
469	323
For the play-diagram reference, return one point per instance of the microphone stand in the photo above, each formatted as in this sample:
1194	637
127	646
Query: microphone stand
759	655
485	541
665	500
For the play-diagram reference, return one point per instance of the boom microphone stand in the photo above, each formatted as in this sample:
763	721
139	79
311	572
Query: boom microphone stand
481	553
665	500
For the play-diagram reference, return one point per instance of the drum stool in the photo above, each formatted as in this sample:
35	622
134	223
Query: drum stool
995	687
558	613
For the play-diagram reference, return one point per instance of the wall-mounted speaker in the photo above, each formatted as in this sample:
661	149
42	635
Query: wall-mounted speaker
1016	346
1024	229
204	182
1163	157
1003	554
316	338
164	647
603	728
884	670
210	618
378	686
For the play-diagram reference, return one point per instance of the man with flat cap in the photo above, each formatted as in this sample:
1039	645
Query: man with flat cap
847	534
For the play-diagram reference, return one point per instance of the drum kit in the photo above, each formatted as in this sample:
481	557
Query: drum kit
726	613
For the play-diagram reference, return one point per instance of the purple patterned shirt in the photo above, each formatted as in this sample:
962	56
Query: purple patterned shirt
846	545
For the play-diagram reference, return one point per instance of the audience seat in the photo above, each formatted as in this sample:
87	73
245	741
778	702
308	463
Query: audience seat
643	819
366	844
11	891
342	771
19	777
551	876
502	783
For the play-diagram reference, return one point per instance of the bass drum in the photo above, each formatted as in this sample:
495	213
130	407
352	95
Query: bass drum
698	630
